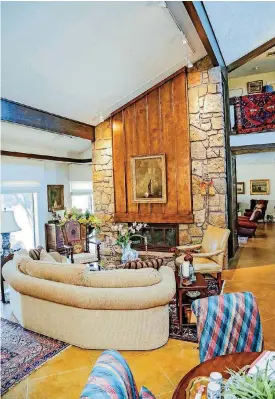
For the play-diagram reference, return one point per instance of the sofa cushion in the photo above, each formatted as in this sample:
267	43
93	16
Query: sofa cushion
46	256
139	264
80	275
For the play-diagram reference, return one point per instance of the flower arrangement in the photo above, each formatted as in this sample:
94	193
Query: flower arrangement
82	217
241	385
125	234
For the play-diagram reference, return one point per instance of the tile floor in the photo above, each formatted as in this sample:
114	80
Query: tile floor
161	370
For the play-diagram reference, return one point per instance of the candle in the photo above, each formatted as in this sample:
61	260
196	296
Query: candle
185	269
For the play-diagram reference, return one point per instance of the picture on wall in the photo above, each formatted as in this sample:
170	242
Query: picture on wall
255	87
240	187
55	197
149	178
259	187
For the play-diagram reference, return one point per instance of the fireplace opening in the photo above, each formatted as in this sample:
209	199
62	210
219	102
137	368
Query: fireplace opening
160	237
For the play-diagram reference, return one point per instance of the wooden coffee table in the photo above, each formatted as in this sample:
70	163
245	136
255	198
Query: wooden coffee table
183	301
234	362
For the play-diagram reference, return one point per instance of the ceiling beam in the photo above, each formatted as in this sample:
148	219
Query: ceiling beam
252	54
22	114
200	20
254	148
44	157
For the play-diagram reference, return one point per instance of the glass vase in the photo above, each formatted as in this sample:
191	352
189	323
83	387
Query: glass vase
128	253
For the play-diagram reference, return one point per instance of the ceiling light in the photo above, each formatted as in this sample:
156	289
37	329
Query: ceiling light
256	68
184	38
189	63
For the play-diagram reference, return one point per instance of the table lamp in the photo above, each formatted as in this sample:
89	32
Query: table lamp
8	225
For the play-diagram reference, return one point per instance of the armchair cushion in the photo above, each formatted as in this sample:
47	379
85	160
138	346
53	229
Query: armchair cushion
189	247
207	254
202	265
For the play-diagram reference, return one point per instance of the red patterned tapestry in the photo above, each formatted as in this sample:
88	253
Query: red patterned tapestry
255	113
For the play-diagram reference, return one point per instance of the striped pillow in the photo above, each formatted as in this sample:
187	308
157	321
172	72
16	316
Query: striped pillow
139	264
35	253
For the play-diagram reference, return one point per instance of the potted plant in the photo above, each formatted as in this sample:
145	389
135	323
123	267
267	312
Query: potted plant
242	385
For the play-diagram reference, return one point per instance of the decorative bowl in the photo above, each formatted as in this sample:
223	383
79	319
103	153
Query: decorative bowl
193	294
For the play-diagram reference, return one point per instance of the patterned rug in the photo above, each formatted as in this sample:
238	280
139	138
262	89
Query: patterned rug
255	113
22	352
189	333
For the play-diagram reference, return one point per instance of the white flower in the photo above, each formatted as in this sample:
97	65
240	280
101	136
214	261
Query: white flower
123	232
120	227
134	224
132	230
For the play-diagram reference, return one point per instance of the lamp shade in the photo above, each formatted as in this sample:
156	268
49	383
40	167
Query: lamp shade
8	222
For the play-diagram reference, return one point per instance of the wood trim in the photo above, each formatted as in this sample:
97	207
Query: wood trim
156	86
192	12
247	149
44	157
252	54
25	115
154	218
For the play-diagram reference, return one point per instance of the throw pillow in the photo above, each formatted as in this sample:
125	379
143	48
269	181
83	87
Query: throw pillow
139	264
46	257
35	253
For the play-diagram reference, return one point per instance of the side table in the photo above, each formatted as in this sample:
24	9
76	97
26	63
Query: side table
4	259
182	300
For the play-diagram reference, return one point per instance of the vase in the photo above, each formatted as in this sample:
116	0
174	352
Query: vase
128	253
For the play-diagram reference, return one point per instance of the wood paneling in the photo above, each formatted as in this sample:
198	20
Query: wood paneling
44	157
153	124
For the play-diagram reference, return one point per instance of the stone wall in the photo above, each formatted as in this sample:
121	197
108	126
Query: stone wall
207	138
207	154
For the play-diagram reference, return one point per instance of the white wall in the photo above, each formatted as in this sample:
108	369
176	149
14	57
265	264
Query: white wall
241	82
44	172
256	166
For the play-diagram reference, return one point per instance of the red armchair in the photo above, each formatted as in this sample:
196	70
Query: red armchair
247	225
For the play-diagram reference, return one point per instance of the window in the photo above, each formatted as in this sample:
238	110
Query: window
82	202
24	206
81	194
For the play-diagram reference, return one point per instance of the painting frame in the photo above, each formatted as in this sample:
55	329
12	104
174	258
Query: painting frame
241	187
151	199
59	190
255	86
265	183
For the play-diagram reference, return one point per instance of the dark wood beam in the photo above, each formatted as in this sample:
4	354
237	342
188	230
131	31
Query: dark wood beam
252	54
22	114
201	30
251	149
44	157
148	91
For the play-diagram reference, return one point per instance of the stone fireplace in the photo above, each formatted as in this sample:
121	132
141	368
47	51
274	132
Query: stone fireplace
207	141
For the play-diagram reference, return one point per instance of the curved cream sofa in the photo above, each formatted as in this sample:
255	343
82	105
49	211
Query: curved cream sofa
129	318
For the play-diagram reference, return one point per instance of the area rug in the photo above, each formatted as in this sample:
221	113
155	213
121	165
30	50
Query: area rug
255	113
22	352
189	333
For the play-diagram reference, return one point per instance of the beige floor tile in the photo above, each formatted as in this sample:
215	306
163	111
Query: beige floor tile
71	358
147	372
68	385
19	391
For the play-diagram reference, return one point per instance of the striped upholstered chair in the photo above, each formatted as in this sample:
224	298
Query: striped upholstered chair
228	323
111	377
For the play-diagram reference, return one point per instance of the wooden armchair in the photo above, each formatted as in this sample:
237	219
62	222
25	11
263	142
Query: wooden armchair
76	243
210	259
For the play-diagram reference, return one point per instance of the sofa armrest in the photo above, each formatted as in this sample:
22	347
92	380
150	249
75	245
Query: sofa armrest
189	247
207	254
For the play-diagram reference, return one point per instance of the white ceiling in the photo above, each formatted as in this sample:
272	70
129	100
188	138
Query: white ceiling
241	26
261	64
80	59
34	141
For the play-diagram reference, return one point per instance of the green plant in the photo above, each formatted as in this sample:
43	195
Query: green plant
125	234
257	386
83	217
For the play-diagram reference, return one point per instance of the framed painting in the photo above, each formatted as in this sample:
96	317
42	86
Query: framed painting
149	179
260	186
55	197
255	87
240	187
